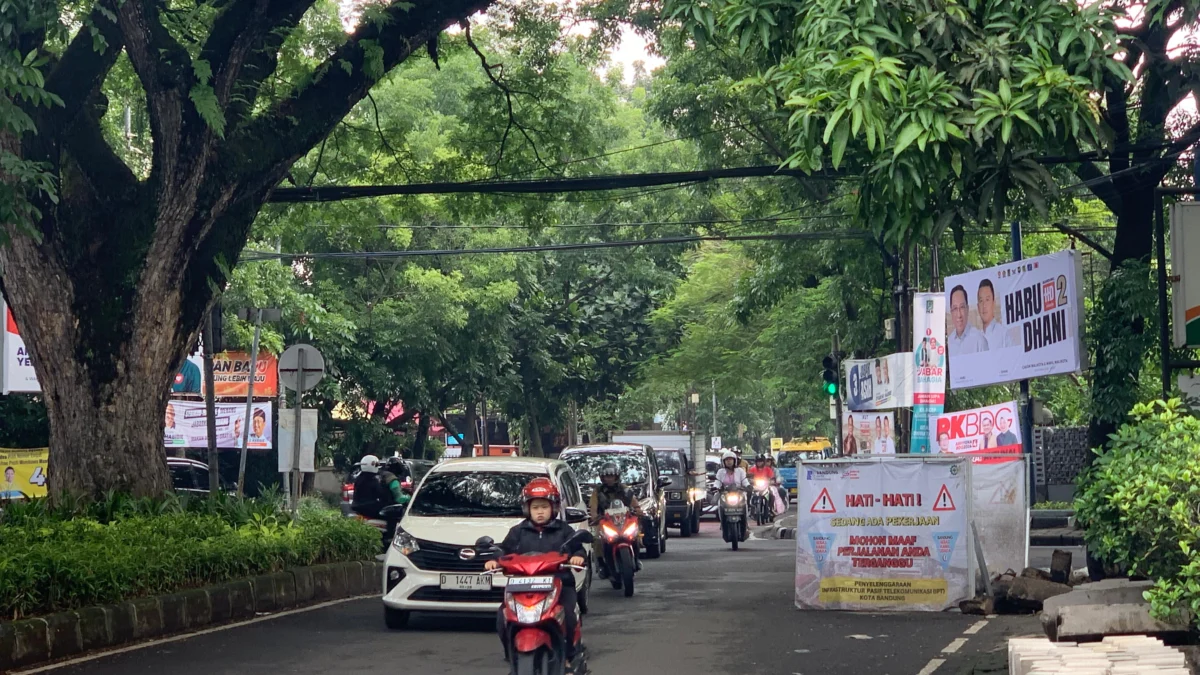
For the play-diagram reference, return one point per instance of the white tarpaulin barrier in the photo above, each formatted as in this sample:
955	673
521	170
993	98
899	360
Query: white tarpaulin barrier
1000	511
890	533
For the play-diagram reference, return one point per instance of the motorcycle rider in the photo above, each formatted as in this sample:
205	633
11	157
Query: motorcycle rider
730	474
375	489
610	490
543	531
761	470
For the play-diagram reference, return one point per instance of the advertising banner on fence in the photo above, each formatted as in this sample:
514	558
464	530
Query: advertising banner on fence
999	510
881	383
1185	289
1016	321
929	367
891	534
16	369
991	430
869	433
229	375
186	423
25	475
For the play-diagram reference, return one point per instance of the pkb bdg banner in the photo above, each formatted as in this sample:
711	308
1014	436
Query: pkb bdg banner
890	535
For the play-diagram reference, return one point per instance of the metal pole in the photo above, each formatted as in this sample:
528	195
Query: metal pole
484	412
714	396
1164	338
210	409
1026	402
241	486
837	399
296	431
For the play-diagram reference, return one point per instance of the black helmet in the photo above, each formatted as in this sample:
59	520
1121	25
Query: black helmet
396	465
610	469
760	458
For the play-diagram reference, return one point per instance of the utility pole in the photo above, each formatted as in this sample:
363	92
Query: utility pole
1026	402
210	404
241	485
714	397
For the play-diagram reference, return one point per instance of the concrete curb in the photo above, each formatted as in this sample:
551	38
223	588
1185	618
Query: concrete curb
57	636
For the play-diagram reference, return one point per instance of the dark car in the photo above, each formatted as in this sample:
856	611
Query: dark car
190	477
684	503
639	471
417	467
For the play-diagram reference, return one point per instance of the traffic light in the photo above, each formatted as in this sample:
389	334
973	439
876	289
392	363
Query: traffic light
830	376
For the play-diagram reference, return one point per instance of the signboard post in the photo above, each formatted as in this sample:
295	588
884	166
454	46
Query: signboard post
929	355
301	367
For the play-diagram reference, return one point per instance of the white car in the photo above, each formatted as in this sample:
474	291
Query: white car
432	564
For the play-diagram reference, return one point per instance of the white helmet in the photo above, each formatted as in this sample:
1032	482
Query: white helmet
369	464
728	454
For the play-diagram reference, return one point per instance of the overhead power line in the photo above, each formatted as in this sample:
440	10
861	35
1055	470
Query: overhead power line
538	186
253	256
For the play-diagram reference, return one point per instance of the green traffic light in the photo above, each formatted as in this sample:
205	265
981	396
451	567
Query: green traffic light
831	388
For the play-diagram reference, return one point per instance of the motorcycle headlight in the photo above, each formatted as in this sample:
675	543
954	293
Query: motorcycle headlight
631	529
608	530
405	543
531	613
733	499
760	485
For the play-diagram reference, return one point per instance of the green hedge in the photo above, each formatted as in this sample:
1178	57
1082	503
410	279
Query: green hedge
1139	504
70	557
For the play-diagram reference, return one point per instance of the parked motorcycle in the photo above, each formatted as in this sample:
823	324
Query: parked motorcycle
733	516
620	532
760	502
536	628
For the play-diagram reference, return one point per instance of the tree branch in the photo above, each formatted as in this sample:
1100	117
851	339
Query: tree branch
81	69
1104	190
1096	246
273	141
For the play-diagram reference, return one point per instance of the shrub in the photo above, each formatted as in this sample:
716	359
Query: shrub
1140	504
75	555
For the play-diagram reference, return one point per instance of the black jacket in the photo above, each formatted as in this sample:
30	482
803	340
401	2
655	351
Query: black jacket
525	537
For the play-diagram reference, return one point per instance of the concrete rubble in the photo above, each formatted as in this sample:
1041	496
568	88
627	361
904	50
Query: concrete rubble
1115	655
1109	607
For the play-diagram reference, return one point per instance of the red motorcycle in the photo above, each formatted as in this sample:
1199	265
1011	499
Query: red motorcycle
535	620
619	527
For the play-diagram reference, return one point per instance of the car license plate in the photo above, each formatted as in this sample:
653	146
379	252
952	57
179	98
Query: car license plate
466	582
733	519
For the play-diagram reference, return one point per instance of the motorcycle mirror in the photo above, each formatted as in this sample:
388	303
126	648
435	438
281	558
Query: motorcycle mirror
575	515
485	542
580	537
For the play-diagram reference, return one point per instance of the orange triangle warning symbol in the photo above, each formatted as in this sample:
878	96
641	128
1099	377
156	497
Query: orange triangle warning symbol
824	503
944	501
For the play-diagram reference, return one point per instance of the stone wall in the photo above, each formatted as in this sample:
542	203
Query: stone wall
1065	450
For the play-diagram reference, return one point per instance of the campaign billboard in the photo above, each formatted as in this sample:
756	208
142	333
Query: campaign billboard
230	375
881	383
24	473
1185	290
1016	321
185	425
891	534
16	369
929	367
868	433
993	430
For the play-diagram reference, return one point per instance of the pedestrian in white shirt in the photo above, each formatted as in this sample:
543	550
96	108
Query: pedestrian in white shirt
965	338
994	332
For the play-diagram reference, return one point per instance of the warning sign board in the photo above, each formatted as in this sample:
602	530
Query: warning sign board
824	503
943	501
884	534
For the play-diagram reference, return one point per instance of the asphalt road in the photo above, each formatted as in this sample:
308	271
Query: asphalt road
701	608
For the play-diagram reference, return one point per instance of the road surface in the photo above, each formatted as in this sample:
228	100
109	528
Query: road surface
701	608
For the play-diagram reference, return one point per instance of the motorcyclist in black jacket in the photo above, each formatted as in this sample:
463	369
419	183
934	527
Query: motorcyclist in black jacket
544	531
611	490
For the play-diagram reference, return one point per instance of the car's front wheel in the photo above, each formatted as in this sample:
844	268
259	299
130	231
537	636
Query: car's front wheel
396	619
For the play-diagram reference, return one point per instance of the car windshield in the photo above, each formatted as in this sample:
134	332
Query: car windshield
587	465
479	494
787	460
670	463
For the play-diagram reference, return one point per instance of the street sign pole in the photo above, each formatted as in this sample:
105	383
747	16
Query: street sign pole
296	476
837	399
241	485
210	408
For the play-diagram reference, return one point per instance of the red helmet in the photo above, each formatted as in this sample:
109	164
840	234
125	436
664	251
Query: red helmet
539	488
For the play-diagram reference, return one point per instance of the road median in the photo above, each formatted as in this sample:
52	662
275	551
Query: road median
31	642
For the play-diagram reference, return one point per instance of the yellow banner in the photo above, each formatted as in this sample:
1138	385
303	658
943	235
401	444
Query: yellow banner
883	591
24	474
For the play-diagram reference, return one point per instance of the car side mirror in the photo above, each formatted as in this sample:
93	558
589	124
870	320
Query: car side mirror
393	510
664	482
575	515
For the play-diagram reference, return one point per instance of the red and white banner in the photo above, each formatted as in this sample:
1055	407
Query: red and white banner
16	368
991	430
